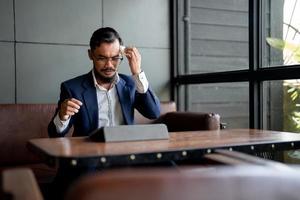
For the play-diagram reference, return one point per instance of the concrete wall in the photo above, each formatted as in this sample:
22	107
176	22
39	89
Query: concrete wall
43	43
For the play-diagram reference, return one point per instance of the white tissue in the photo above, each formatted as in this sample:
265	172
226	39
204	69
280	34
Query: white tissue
122	49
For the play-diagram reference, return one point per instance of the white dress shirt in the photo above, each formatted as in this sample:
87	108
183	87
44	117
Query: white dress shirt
109	108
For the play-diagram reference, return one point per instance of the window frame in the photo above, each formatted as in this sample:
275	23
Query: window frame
255	75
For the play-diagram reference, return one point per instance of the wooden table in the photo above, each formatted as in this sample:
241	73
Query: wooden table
77	151
226	183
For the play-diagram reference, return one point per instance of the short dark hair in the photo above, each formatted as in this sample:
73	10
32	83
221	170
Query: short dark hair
104	35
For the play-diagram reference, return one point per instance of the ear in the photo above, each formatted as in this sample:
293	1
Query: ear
90	54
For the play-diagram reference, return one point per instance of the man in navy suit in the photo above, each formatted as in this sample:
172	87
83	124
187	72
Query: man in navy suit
103	97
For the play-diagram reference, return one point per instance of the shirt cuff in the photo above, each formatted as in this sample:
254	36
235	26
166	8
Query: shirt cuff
141	82
59	124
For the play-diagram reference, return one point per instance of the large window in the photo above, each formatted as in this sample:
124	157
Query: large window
239	58
281	23
280	41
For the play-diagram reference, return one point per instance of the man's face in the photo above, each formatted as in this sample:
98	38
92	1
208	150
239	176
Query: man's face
106	59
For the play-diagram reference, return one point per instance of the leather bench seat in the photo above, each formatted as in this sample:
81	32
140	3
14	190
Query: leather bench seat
22	122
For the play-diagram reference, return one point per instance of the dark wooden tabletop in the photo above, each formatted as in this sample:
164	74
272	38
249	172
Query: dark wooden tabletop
227	183
181	143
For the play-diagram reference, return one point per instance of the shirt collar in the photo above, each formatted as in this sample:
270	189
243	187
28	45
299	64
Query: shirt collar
117	79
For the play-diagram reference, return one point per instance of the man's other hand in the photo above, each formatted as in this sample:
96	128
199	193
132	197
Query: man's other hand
68	108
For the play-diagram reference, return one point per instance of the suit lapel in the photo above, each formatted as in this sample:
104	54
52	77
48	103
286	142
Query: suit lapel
90	100
124	98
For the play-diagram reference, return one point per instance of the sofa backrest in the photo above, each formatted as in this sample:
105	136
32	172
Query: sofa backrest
165	107
22	122
18	124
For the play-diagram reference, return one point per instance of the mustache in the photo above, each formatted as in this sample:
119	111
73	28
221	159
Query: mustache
108	69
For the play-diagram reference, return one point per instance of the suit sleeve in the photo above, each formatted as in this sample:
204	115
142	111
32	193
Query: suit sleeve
52	132
148	104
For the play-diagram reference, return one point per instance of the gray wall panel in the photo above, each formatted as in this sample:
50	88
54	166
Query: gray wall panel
41	69
142	23
226	110
7	75
219	35
210	31
204	64
219	93
155	63
219	17
219	48
57	21
225	5
52	38
6	20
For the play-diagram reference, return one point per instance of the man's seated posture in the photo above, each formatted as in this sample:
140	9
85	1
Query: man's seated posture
103	97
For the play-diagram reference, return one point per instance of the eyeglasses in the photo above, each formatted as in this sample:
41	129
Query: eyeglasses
114	60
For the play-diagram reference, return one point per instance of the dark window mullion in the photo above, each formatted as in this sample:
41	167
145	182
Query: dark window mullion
259	75
187	39
254	61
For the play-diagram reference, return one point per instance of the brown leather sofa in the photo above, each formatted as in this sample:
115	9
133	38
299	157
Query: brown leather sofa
18	124
22	122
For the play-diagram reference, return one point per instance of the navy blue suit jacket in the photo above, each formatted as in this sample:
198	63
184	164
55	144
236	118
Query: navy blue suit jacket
86	120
